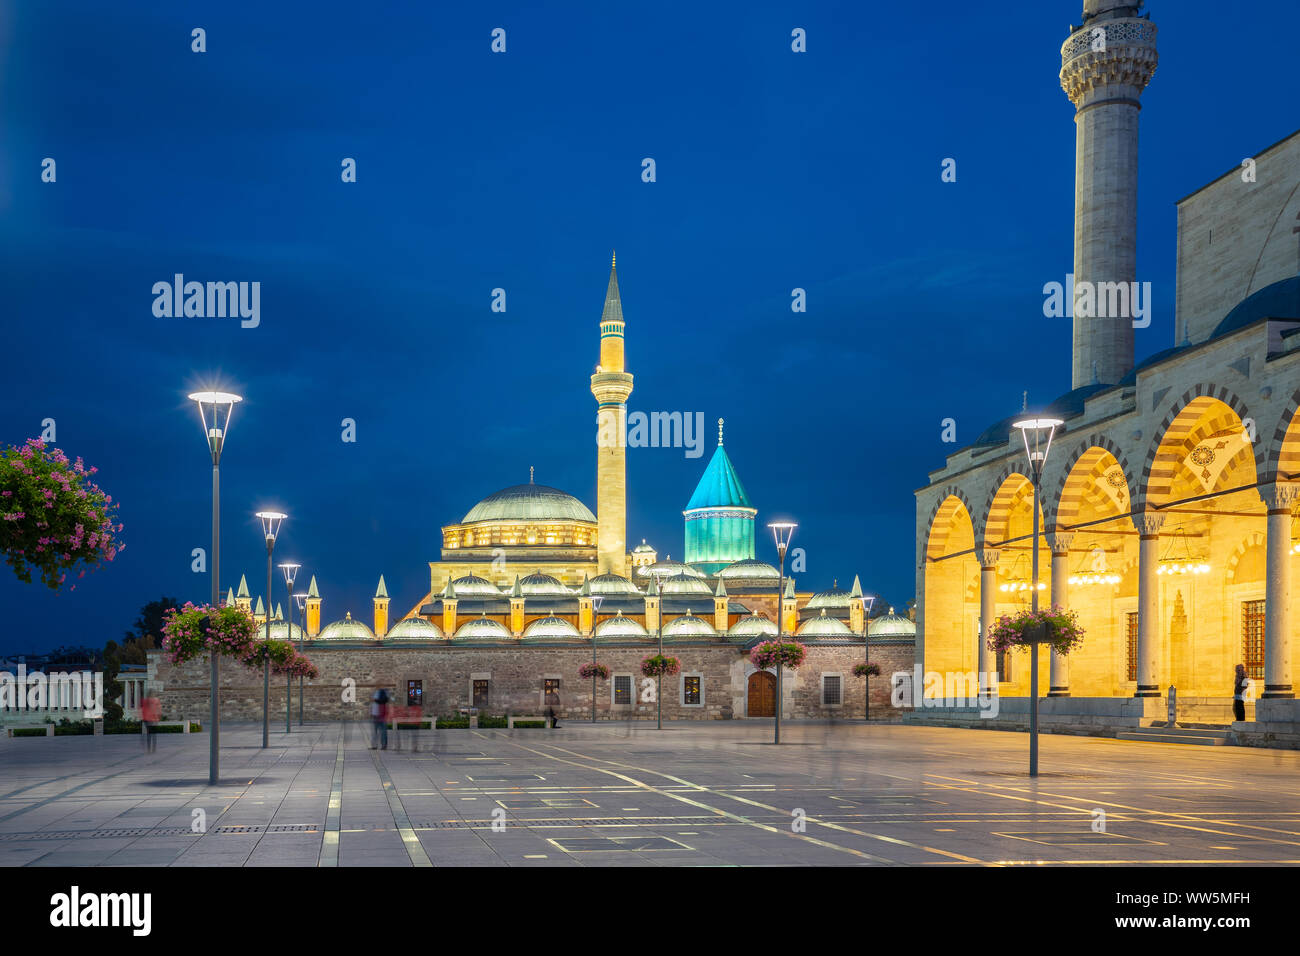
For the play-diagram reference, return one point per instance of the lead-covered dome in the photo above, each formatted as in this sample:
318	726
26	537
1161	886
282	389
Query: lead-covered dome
550	628
482	629
539	584
614	628
414	629
892	625
346	630
833	597
529	503
823	626
749	569
756	625
688	625
471	585
686	584
613	584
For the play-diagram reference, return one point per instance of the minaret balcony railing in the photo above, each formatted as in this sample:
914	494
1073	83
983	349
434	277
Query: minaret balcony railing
1127	32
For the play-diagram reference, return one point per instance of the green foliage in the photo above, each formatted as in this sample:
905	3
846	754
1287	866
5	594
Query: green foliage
30	731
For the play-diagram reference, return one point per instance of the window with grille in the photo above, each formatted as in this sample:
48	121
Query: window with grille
1131	631
691	689
551	690
480	693
622	688
1252	638
831	689
414	693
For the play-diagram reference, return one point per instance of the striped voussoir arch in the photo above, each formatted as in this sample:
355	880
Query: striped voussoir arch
1087	454
952	491
998	505
1284	456
1253	540
1174	429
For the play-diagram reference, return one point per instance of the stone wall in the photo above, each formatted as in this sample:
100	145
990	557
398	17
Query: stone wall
516	675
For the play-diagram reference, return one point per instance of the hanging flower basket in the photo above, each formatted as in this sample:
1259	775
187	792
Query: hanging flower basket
1054	626
53	518
197	628
866	670
767	654
660	666
275	652
588	671
298	666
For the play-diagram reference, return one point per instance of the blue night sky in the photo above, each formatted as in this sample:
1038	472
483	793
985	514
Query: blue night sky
521	171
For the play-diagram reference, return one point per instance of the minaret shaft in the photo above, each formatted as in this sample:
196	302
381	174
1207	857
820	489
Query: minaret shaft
1105	65
611	386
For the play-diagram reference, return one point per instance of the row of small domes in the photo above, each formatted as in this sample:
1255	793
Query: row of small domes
558	628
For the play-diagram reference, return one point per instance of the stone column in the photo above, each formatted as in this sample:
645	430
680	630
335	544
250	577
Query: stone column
988	560
1277	595
1148	603
1058	684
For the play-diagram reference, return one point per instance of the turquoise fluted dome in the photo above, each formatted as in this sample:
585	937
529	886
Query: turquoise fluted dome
719	517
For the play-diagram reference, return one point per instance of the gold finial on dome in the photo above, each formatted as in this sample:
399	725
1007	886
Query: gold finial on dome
530	474
613	258
719	432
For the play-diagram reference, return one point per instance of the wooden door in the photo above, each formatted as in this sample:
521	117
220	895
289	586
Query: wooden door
761	701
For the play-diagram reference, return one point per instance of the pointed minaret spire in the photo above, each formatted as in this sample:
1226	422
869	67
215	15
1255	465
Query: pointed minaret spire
857	588
279	613
382	590
611	386
230	597
311	588
260	610
613	311
243	587
518	590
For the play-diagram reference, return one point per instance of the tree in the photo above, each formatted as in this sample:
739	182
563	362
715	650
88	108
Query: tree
136	643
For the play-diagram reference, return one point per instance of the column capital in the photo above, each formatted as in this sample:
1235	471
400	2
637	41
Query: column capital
1060	541
1280	495
1149	523
988	558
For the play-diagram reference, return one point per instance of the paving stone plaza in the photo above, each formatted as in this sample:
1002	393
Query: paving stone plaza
628	795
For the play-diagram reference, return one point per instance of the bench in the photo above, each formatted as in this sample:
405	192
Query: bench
511	718
408	715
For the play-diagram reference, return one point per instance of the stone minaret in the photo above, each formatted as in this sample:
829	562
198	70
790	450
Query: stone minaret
1105	65
612	386
313	608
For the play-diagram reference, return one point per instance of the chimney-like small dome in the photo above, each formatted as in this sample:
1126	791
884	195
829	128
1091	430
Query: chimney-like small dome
823	626
482	629
551	628
414	629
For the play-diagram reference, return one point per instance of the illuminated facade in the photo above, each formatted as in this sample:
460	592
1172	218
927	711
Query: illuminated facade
1167	502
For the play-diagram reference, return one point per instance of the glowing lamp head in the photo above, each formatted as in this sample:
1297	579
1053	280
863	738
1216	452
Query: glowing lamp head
215	409
1037	433
782	532
290	570
271	521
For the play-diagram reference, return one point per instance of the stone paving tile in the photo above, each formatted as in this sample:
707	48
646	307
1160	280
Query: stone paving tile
945	795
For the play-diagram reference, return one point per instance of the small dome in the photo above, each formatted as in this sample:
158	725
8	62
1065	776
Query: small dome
688	625
346	630
414	629
482	629
685	584
823	626
747	569
295	633
472	585
620	626
892	625
756	625
1281	300
613	584
550	629
643	548
541	584
529	503
834	597
668	568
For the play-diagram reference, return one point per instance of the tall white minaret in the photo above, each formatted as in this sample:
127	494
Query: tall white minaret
1105	65
611	385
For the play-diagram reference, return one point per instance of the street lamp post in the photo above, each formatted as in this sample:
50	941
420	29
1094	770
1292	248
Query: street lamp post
782	532
659	629
595	618
1037	434
290	573
868	602
301	600
271	521
214	412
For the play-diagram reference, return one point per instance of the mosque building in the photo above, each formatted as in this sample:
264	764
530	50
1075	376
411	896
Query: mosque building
1168	495
530	583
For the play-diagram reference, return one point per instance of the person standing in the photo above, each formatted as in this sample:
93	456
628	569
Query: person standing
1240	688
379	719
150	714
